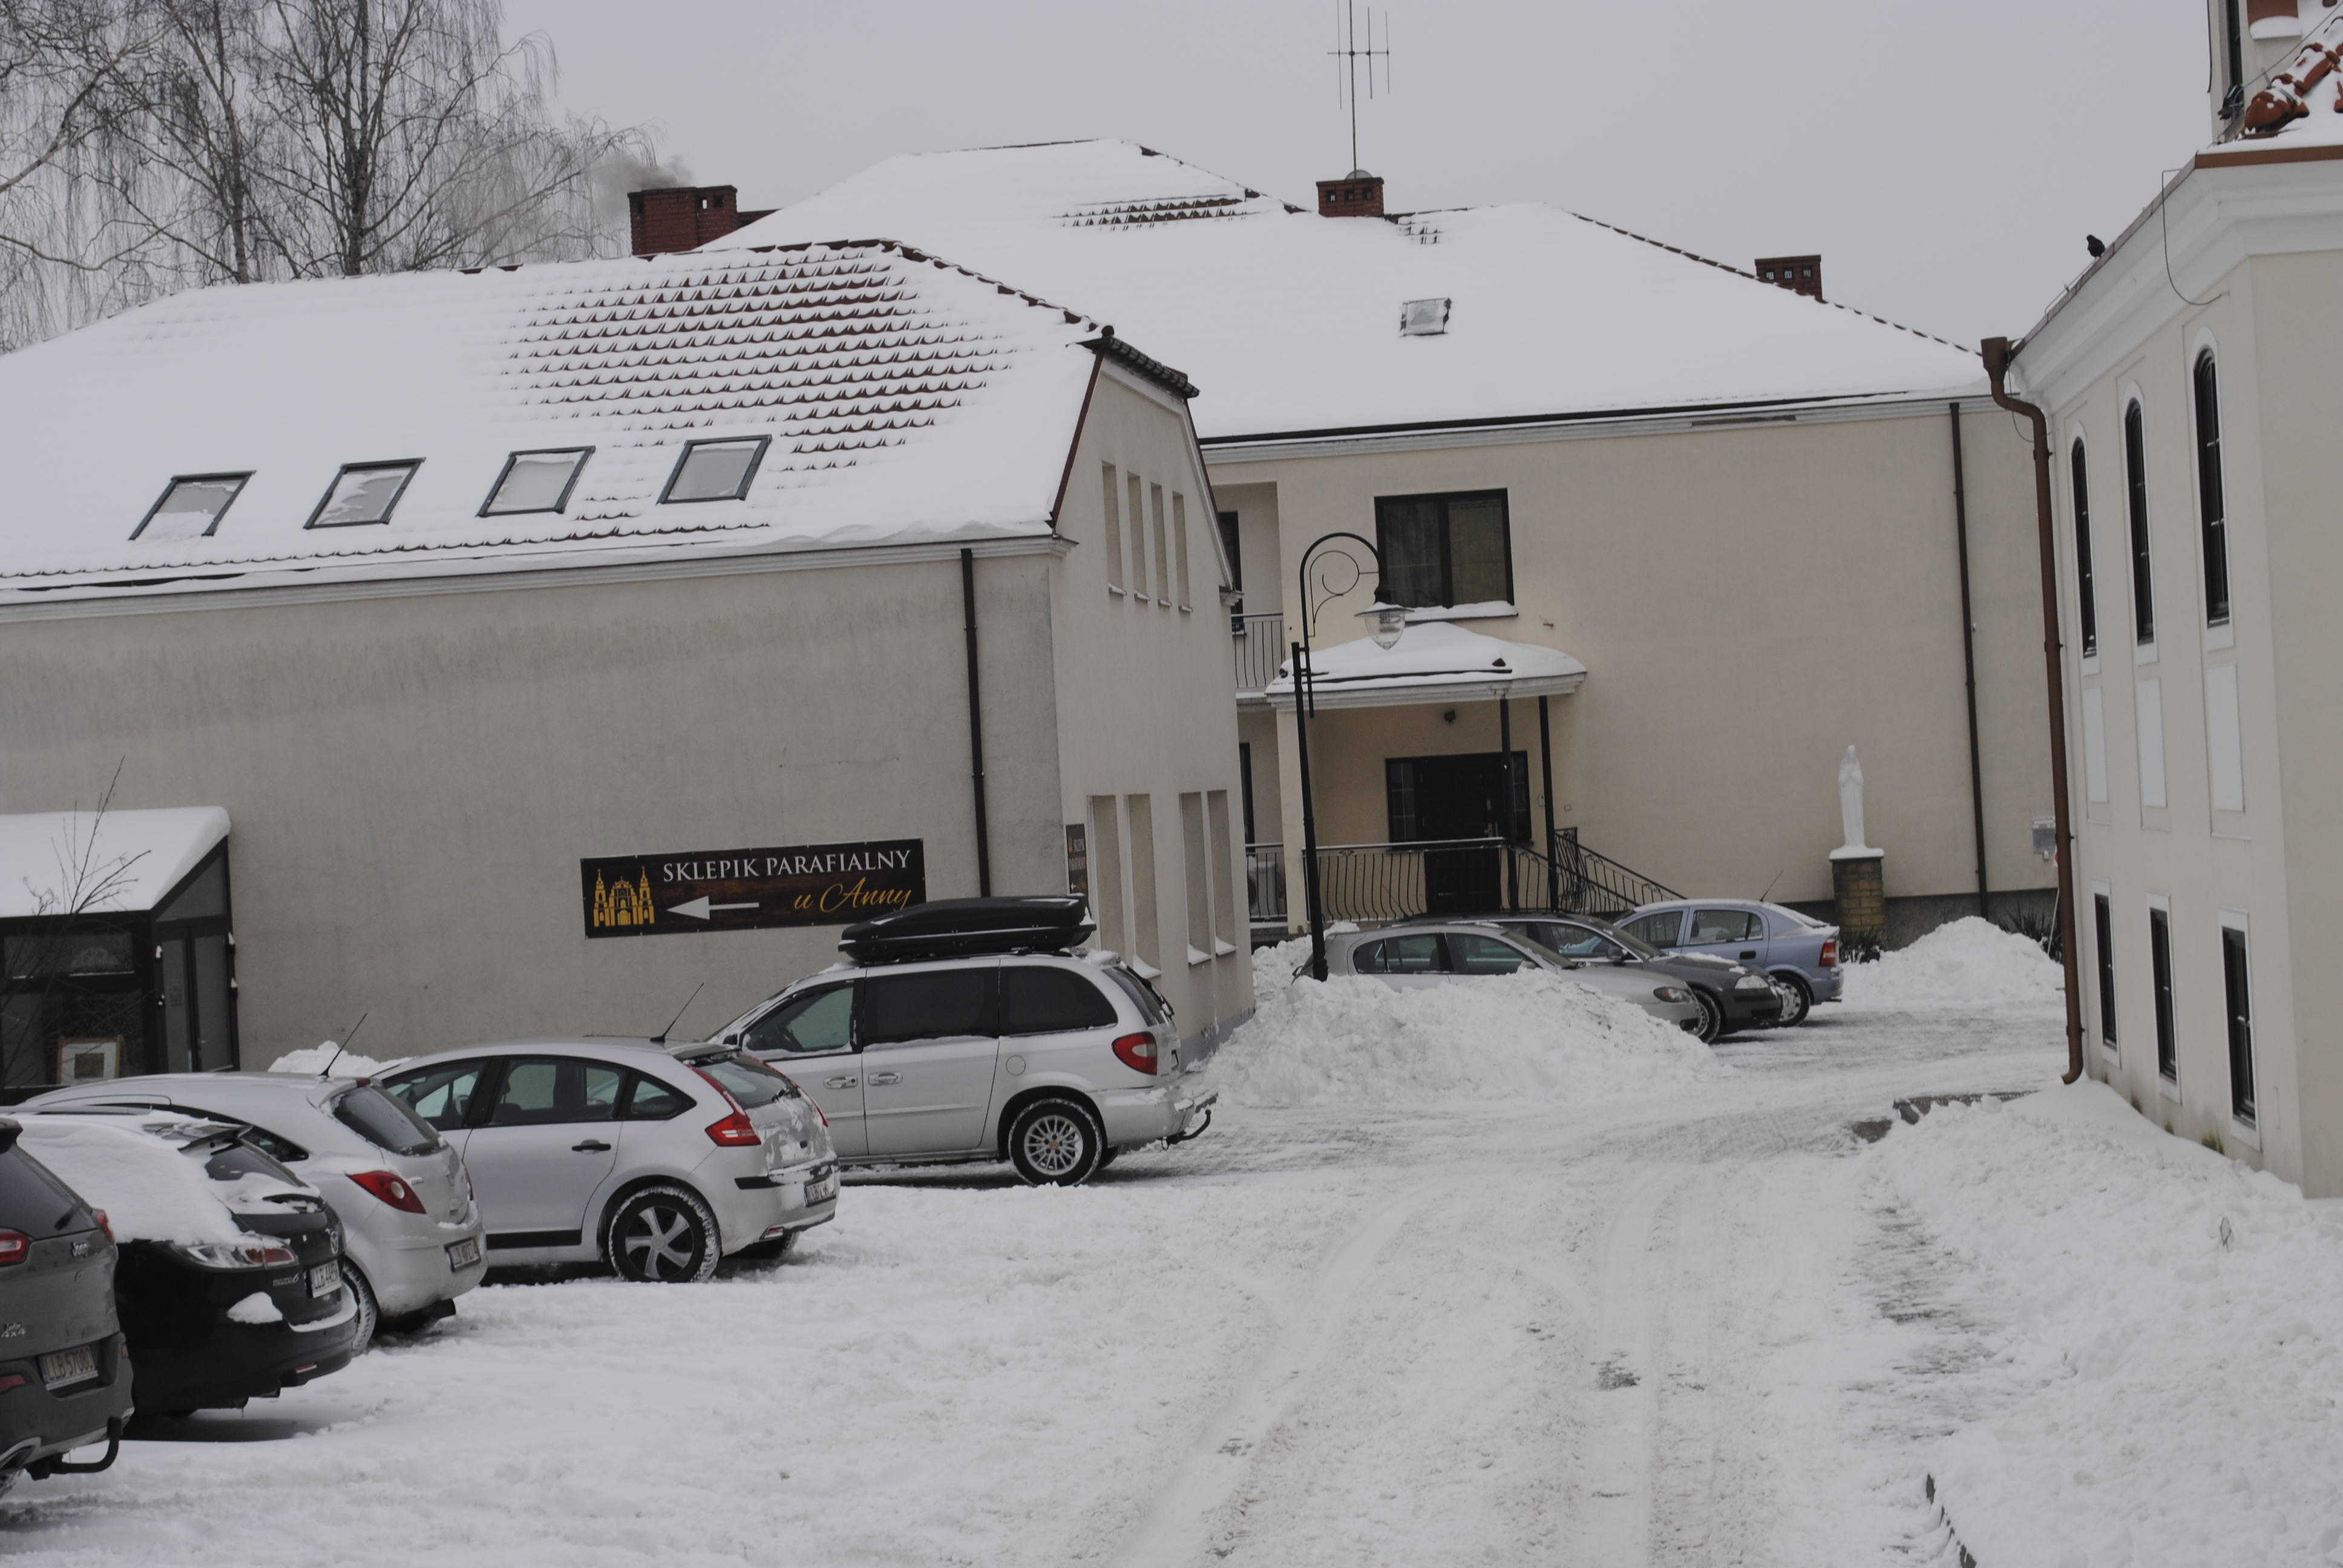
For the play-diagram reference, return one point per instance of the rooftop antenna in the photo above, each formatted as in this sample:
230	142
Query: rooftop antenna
660	1038
1347	54
342	1045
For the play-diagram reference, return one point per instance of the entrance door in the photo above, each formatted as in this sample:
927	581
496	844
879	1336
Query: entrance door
199	999
1437	800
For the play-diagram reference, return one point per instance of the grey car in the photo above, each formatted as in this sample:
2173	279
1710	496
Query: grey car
411	1233
1799	953
64	1379
1441	952
1732	996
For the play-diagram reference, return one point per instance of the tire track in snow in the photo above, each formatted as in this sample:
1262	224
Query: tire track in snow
1177	1529
1617	1464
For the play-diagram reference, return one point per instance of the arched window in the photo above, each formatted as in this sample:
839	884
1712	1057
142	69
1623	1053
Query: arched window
2143	582
2084	590
2210	505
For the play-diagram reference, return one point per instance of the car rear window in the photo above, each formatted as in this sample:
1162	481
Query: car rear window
228	1161
1038	1000
1135	985
384	1123
35	1203
745	1079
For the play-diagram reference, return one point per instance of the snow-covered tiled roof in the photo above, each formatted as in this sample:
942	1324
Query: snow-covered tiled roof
1289	322
2301	104
905	399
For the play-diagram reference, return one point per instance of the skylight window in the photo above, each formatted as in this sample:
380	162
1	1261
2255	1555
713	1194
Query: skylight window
536	481
363	493
191	507
1423	317
716	471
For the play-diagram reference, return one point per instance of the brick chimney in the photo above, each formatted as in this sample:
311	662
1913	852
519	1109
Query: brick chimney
1356	195
684	217
1798	274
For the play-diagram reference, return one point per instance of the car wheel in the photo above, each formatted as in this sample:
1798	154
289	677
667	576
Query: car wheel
369	1318
1797	1001
771	1251
1107	1159
663	1235
1712	1017
1056	1143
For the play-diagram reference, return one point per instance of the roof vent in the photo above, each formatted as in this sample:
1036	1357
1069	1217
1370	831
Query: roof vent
1356	195
1798	274
1423	317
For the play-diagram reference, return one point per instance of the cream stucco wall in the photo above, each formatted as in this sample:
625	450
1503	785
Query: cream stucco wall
1749	601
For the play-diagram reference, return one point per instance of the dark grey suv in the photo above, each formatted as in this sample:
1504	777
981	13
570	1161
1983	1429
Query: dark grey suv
63	1381
1732	997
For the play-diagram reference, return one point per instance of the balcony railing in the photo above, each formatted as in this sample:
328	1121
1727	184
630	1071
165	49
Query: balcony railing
1260	644
1265	883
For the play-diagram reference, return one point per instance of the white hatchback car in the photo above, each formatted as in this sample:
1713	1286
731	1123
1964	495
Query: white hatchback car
411	1231
660	1160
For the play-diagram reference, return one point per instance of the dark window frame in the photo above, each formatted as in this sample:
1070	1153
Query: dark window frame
561	504
413	466
177	479
1446	499
2160	964
2143	561
2236	991
1397	818
2087	591
668	498
2212	501
2104	924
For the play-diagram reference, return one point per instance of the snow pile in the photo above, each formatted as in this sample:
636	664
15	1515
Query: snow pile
1971	963
150	1192
1532	1035
312	1059
2163	1321
256	1308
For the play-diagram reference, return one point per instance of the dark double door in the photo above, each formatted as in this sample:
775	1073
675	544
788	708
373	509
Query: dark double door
1437	800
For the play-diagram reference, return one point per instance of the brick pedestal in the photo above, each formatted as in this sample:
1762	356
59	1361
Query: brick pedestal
1860	887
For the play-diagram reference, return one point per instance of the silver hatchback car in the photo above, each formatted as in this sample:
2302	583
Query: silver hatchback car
659	1160
411	1232
1408	957
1051	1061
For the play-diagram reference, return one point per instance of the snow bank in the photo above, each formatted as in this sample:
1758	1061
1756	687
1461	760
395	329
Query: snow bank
2162	1328
312	1059
149	1190
1971	963
1532	1035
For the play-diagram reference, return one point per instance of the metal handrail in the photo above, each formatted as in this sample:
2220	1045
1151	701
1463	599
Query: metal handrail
1258	645
1393	881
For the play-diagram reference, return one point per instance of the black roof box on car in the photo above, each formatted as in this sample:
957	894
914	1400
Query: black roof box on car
961	928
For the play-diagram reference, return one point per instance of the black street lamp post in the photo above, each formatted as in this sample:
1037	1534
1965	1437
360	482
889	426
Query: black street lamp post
1386	620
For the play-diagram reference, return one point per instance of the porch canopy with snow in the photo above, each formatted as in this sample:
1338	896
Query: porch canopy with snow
120	954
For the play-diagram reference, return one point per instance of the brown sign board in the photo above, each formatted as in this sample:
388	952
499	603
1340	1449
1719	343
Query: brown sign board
749	889
1078	860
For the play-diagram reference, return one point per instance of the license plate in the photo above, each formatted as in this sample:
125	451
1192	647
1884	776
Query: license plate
325	1279
62	1367
464	1254
821	1191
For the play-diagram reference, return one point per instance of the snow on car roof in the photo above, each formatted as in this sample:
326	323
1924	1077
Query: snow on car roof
128	859
1289	322
903	398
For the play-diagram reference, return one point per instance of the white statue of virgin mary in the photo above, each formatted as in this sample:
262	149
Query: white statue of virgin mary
1850	804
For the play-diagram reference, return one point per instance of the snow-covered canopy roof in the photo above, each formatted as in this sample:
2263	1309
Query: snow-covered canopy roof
1289	322
1434	661
51	861
905	399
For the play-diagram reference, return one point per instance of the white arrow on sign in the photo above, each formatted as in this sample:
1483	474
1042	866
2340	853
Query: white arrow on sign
698	908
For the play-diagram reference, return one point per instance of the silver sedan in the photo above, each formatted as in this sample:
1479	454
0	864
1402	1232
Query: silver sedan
1439	954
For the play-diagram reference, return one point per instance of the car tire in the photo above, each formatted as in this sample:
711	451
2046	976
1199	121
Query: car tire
771	1251
369	1318
1797	1001
663	1235
1107	1159
1056	1143
1712	1017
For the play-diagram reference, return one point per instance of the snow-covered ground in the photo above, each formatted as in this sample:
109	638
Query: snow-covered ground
1539	1310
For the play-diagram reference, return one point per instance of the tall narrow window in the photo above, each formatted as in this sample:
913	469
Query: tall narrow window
1144	909
2233	95
1106	873
2211	507
2159	963
2104	928
1199	876
2084	589
1162	549
1244	782
1223	853
2239	997
2149	704
1445	549
1229	542
2143	585
1179	550
1113	500
1137	508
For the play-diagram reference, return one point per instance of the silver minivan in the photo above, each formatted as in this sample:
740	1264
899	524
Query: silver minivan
1053	1061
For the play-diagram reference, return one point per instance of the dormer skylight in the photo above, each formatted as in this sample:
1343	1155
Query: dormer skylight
190	507
716	471
535	481
364	492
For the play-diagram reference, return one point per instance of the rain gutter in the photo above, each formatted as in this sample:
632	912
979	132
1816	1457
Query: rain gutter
1998	352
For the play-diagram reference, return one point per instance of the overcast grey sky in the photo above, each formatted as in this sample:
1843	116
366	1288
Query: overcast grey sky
1946	160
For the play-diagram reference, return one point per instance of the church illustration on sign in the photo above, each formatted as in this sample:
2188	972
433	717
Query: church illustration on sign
625	905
